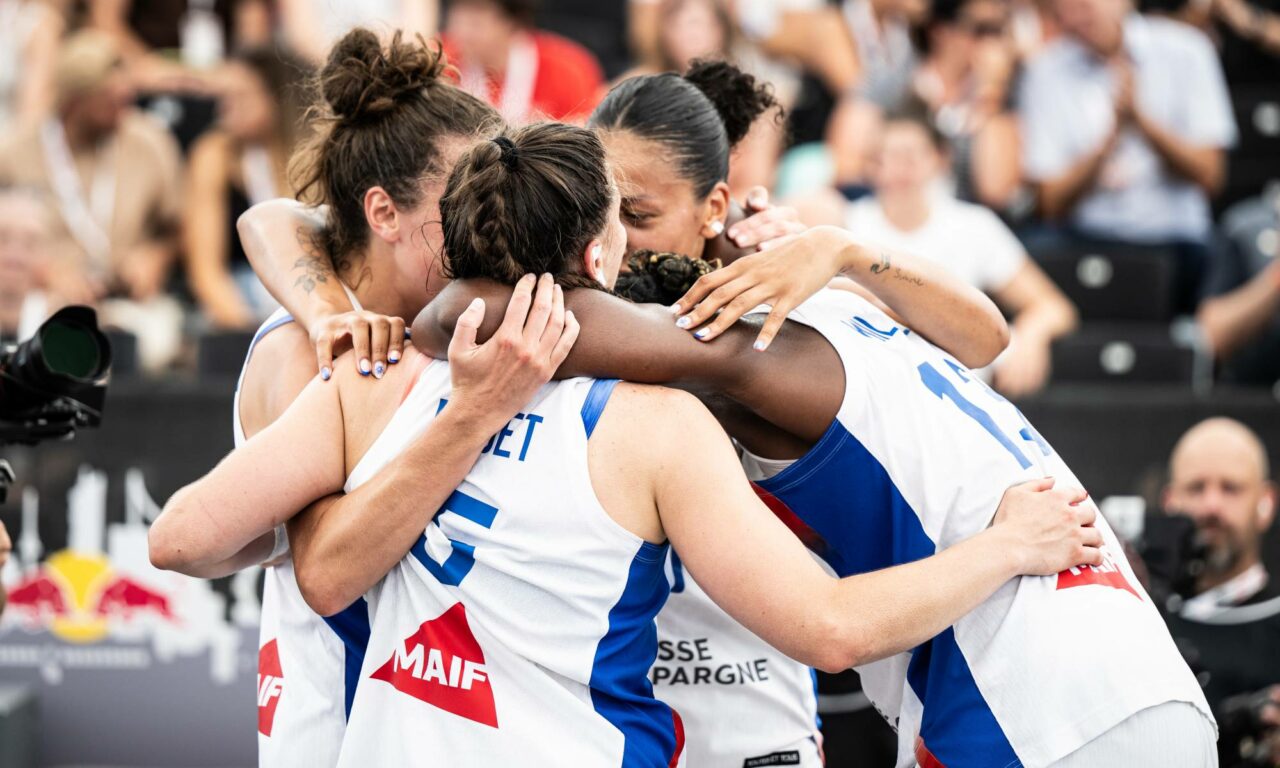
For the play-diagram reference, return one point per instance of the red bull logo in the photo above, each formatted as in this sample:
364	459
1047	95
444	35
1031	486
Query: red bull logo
443	665
77	595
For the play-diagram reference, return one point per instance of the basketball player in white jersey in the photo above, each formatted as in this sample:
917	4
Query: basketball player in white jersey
519	628
778	700
901	451
308	664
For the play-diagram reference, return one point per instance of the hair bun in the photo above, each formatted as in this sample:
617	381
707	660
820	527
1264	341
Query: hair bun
736	95
363	79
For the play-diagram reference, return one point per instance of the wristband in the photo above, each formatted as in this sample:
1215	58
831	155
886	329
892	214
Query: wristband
278	550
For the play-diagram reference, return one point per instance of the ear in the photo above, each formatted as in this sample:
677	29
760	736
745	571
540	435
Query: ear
593	261
1267	509
1166	498
715	211
381	214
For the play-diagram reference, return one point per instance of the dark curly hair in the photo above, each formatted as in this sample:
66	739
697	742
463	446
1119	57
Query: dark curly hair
698	117
660	277
382	113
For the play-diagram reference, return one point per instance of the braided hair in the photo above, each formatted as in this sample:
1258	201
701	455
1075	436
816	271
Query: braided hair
528	201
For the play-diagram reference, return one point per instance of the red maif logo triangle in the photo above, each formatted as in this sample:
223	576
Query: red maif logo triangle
270	685
442	664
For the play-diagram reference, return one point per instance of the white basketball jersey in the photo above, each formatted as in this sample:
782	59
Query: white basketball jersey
307	665
519	629
918	459
743	702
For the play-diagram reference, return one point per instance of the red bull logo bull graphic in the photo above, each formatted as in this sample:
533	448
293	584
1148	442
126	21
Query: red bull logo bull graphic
77	597
99	604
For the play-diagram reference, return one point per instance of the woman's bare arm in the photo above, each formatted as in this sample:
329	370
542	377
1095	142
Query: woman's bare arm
285	467
917	292
798	386
753	567
345	544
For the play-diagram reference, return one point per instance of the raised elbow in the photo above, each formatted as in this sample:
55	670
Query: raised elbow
163	546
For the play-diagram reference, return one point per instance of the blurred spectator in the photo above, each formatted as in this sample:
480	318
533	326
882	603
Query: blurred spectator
1219	476
311	27
1125	124
1240	316
911	212
29	32
114	179
966	80
600	27
150	32
24	244
239	163
526	74
689	30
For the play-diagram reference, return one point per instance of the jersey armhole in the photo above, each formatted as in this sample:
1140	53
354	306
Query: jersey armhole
593	406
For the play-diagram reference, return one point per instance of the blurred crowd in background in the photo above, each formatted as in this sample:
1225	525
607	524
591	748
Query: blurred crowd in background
1104	172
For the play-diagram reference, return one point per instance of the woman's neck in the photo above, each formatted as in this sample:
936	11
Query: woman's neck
906	211
376	282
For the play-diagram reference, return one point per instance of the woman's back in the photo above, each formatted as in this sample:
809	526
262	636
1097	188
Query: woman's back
519	629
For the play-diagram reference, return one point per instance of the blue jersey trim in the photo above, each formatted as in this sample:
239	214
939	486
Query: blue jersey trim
596	400
287	318
845	494
351	625
620	689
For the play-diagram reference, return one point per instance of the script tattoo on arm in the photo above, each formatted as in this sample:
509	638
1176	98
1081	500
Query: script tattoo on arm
885	264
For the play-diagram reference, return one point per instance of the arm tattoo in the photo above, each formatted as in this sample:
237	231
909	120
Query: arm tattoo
315	267
882	266
899	274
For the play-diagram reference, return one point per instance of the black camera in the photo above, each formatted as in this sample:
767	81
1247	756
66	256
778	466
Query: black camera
53	383
1175	554
1240	722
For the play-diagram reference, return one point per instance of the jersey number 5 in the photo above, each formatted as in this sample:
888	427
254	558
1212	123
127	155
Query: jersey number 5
458	564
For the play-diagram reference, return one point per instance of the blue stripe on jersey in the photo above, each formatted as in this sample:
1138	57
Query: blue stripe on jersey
843	492
593	406
620	688
351	625
257	337
958	727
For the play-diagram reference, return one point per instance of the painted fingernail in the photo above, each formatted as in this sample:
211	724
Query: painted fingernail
701	335
733	234
379	368
408	333
683	322
759	346
325	373
676	309
393	356
365	368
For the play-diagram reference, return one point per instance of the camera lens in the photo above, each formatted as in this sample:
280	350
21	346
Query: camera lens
71	350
